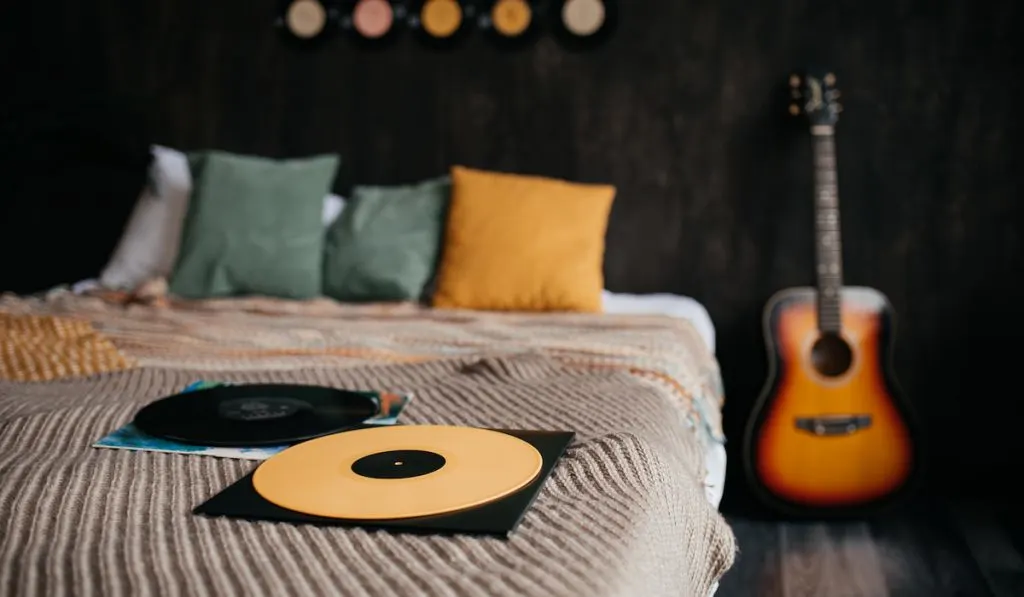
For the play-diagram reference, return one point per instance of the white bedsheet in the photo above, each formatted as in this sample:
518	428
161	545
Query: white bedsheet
663	304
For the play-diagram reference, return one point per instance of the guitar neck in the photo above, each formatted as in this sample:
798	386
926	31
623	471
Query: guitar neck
827	238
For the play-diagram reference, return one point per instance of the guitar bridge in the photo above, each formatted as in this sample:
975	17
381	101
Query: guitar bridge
830	425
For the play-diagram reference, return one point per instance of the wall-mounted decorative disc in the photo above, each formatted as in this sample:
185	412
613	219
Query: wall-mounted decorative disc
372	19
440	23
511	18
583	17
306	18
510	23
441	18
307	21
584	23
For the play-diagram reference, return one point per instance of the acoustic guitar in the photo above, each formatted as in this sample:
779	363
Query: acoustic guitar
831	433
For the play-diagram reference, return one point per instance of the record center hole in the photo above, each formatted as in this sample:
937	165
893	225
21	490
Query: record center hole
398	463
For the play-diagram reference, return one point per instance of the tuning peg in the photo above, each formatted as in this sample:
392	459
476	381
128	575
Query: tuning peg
794	80
839	107
830	79
833	94
794	109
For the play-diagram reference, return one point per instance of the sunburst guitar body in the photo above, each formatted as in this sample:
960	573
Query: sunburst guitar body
831	433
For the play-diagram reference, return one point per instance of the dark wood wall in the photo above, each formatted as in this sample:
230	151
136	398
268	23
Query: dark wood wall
683	110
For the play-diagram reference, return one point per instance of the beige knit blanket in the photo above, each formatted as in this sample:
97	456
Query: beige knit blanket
623	514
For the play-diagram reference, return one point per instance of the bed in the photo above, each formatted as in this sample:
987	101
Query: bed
630	509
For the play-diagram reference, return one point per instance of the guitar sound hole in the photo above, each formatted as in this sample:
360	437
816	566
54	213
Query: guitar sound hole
831	355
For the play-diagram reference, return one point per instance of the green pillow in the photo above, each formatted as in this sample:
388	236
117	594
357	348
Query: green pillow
385	244
254	226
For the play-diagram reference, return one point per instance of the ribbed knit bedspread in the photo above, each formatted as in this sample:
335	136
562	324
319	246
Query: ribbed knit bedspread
623	514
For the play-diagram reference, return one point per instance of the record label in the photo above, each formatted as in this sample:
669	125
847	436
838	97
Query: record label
390	473
254	414
398	464
260	408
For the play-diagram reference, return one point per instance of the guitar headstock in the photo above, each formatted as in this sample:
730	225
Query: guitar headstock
815	96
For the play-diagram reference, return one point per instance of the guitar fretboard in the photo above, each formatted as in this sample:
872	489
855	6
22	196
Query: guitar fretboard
827	239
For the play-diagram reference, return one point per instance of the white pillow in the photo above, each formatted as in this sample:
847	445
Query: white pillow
149	245
333	205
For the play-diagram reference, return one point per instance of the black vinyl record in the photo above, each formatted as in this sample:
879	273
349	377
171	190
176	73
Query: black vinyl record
254	414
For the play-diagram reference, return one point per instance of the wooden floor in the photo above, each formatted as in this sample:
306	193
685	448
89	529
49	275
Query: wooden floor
928	550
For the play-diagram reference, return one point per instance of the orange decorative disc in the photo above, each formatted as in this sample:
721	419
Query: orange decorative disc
511	17
405	471
441	18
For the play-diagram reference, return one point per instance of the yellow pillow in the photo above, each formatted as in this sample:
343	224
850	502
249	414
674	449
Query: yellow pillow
523	243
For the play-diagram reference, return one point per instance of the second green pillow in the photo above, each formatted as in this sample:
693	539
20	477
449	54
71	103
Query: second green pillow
385	245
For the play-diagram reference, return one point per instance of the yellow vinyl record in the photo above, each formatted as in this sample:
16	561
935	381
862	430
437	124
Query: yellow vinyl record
405	471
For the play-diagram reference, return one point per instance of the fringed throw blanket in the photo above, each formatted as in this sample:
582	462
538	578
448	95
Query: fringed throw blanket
623	514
